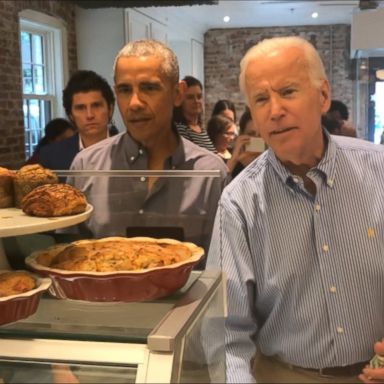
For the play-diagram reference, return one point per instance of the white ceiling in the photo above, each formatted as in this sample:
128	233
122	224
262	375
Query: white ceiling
258	13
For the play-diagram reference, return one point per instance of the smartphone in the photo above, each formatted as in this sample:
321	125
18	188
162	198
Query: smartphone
256	144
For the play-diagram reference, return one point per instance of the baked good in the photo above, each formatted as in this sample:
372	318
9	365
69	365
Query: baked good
52	200
29	177
6	187
14	283
115	254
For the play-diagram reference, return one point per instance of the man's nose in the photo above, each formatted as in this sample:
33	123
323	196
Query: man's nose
90	112
135	101
277	109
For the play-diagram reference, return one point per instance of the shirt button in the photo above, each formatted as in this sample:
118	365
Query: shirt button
325	248
339	330
333	289
330	182
296	179
132	158
140	151
142	178
141	211
317	207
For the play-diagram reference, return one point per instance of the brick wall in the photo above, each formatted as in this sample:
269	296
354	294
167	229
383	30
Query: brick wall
11	117
224	48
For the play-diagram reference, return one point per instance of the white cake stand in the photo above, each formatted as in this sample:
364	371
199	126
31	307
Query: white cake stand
14	222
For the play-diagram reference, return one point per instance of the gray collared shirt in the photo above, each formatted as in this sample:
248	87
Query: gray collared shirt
121	203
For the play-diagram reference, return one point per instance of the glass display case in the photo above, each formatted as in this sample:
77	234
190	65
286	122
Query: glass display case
178	338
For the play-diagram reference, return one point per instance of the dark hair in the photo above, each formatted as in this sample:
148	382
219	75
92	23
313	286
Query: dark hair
337	105
86	81
218	125
53	129
222	105
330	123
178	115
244	119
192	81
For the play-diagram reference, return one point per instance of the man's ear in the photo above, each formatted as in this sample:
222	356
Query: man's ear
180	89
325	96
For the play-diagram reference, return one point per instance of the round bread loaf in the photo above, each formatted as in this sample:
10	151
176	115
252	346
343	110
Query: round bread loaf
6	187
52	200
30	177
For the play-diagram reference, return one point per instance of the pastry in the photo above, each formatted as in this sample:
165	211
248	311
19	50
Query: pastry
30	177
52	200
14	283
6	187
116	254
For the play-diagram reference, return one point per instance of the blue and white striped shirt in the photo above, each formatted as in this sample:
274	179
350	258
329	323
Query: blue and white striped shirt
305	273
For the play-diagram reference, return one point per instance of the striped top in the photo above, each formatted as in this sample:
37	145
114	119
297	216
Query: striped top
305	273
201	139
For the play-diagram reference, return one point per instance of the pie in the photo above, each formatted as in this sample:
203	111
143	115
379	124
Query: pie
14	283
116	254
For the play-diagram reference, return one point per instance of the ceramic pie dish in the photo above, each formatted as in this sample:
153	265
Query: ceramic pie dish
122	285
20	306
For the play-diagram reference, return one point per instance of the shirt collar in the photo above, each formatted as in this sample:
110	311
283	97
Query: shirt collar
326	167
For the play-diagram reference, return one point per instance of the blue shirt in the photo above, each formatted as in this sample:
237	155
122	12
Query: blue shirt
305	273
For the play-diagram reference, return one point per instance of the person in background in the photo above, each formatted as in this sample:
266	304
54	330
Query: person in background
56	130
298	233
226	108
89	102
241	157
188	117
339	112
147	87
221	131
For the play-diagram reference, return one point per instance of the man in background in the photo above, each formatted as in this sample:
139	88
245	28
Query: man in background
338	112
89	103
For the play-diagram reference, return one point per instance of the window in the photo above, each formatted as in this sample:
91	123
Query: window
43	59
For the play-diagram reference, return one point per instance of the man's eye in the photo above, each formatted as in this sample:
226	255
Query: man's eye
123	89
149	87
288	92
260	99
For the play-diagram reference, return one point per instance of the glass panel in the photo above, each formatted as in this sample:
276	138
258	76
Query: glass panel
26	47
27	78
38	80
37	49
43	372
37	113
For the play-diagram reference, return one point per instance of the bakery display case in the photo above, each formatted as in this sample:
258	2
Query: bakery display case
175	338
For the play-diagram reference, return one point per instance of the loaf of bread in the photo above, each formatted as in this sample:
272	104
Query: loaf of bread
14	283
30	177
52	200
6	187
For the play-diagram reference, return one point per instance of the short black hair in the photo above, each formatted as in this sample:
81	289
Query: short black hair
86	81
337	105
192	81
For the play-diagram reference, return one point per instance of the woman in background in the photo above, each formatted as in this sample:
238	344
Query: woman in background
188	118
221	130
56	130
226	108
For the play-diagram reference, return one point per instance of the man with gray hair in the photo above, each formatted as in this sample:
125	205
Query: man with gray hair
299	233
147	87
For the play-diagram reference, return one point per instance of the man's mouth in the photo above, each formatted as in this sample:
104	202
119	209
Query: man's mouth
281	130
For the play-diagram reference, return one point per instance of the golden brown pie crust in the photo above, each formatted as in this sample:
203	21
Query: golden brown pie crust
14	283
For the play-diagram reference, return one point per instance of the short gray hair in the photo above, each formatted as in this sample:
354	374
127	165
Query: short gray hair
139	48
314	63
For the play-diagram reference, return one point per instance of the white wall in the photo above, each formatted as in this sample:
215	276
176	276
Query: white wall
367	31
100	35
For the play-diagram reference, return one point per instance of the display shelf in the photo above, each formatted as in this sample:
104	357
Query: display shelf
14	222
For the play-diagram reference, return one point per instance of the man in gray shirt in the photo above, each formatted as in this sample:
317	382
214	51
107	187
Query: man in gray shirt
147	88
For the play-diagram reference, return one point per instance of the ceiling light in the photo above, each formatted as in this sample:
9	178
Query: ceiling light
226	19
315	15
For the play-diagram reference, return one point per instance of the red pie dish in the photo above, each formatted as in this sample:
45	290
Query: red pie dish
19	306
141	284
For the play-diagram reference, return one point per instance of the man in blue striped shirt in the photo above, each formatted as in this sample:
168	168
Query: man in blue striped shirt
300	233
